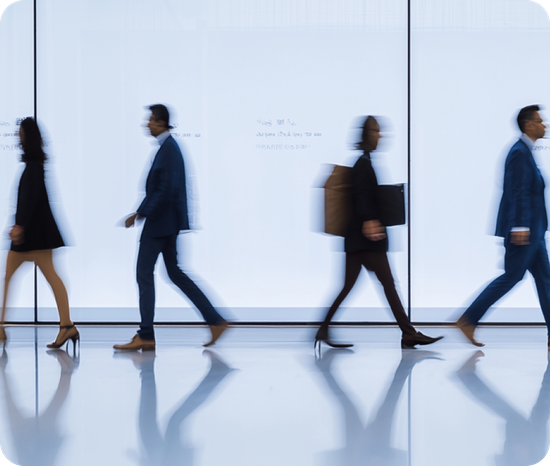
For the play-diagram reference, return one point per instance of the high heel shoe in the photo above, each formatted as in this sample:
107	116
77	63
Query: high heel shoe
322	336
66	333
3	336
410	341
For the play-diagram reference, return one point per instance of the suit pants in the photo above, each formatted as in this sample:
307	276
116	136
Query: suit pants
377	262
149	250
517	260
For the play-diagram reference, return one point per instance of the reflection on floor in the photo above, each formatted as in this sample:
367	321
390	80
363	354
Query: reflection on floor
261	398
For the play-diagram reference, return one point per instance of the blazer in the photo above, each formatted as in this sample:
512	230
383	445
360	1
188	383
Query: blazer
165	203
34	213
522	203
365	207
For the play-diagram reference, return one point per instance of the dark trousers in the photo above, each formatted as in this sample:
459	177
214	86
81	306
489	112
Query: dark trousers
376	262
517	260
149	250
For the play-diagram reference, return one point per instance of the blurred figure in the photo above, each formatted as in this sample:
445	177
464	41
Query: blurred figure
165	211
366	244
36	439
35	234
174	447
370	443
526	441
522	222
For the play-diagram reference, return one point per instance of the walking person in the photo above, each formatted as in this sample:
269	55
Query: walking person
522	221
35	234
165	212
366	244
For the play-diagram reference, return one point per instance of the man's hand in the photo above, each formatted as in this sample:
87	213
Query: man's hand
520	238
374	230
129	222
17	234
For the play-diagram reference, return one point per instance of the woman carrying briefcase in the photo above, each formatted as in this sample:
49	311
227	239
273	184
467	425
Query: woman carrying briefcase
366	244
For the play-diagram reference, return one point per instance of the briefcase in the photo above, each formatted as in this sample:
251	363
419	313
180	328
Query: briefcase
391	204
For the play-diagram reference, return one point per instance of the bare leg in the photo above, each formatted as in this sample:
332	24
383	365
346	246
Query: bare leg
14	260
43	259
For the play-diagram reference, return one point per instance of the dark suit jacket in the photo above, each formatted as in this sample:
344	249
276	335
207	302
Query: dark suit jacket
165	203
365	207
522	203
34	213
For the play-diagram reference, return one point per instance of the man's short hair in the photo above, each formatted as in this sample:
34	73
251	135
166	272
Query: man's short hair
161	113
527	114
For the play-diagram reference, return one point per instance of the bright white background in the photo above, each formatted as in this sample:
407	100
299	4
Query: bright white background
474	65
16	101
227	71
232	77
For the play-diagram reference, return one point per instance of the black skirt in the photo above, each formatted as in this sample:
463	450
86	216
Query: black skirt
34	213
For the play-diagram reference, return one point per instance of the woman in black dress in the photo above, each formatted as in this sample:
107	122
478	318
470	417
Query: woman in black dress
366	244
35	234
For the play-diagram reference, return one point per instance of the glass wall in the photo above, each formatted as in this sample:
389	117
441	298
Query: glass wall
16	102
474	65
264	95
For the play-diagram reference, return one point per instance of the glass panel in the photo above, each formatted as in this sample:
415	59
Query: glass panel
265	93
17	97
474	65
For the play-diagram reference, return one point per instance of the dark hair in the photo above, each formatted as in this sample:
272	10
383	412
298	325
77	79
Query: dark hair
362	144
527	114
161	113
32	143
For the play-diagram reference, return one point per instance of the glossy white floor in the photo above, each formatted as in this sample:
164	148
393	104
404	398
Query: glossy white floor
261	398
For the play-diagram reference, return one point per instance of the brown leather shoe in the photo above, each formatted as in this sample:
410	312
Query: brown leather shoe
216	331
4	337
468	330
137	344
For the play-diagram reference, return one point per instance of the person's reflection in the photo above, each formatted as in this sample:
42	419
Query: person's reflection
526	440
370	444
37	440
170	450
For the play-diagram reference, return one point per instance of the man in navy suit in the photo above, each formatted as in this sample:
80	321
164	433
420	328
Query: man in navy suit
165	212
522	222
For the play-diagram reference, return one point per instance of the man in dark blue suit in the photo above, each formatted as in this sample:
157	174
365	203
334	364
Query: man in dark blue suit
165	212
522	222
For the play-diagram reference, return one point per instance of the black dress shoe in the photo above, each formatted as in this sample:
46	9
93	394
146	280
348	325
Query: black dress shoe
410	341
